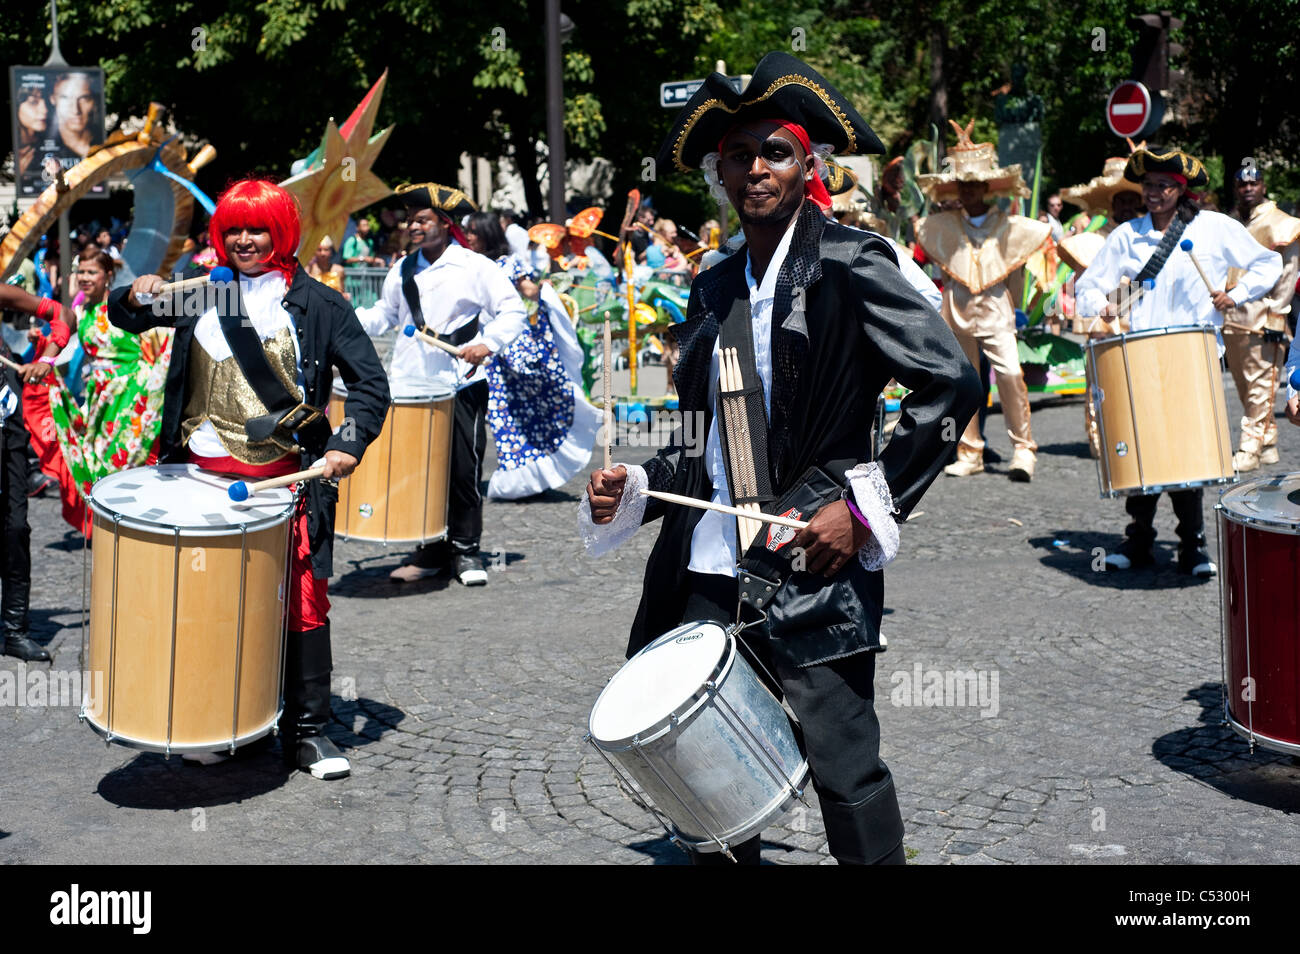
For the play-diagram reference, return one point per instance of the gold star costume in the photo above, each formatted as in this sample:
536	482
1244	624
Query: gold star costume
982	264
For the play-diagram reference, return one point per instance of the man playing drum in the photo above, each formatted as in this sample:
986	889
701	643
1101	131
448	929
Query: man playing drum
467	300
270	341
1146	250
830	320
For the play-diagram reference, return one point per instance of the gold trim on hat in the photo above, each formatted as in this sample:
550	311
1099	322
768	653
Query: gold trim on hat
454	198
777	84
1192	168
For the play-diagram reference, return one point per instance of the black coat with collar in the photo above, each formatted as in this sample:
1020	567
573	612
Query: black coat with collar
844	321
329	336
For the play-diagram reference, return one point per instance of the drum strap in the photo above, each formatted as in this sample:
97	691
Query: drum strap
285	408
460	336
770	558
1161	255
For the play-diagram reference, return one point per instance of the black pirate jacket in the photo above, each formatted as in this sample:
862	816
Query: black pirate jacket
860	324
329	336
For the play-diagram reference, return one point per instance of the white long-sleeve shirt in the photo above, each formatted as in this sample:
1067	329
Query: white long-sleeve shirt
1179	296
460	286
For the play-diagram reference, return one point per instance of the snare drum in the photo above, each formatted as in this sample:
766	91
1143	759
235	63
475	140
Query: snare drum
398	493
1259	540
690	721
1161	412
187	610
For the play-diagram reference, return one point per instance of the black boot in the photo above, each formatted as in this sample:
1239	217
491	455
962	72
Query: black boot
17	587
307	706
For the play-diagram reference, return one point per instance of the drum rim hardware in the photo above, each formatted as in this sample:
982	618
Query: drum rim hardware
264	521
789	789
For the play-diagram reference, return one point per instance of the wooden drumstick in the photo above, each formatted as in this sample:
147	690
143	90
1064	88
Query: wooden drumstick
739	440
1186	246
411	332
219	274
609	389
753	516
240	491
10	364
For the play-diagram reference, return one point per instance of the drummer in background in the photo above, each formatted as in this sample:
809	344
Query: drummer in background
304	329
863	324
1255	334
467	300
1175	296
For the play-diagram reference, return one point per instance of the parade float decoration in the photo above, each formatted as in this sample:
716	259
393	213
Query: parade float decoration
162	181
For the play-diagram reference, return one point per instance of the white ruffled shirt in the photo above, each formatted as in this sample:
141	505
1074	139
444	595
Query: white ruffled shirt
1179	296
714	542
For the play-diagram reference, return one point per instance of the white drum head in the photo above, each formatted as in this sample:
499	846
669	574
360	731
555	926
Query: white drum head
1271	501
168	497
658	681
406	392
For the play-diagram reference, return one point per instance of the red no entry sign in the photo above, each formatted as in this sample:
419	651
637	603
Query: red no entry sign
1128	108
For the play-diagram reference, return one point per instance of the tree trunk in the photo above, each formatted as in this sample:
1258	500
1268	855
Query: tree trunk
939	82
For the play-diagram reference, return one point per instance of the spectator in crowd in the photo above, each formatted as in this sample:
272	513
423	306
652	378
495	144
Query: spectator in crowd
1053	217
105	242
359	249
642	229
322	267
665	236
394	248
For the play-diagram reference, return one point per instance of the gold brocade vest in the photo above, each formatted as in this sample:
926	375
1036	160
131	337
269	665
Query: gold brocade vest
1275	230
218	392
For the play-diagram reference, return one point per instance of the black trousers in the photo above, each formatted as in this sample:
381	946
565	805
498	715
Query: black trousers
1141	531
468	442
834	705
16	554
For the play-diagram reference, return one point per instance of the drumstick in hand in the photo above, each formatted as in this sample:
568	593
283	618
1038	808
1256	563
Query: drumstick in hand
1186	246
411	331
10	364
240	491
609	408
219	274
754	516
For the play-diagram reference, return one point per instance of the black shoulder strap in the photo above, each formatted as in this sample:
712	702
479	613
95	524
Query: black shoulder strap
412	295
246	346
742	413
1161	255
409	291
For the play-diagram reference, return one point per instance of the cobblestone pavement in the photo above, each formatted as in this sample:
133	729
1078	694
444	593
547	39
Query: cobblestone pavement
463	710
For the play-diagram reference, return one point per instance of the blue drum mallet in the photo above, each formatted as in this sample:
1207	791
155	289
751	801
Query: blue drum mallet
240	491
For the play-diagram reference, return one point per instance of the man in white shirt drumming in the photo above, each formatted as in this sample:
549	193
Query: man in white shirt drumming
1175	294
465	299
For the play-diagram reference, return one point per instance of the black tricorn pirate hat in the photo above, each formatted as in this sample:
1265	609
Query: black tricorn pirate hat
1171	161
782	87
431	195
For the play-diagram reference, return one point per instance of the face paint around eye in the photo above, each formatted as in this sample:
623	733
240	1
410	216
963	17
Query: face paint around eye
777	154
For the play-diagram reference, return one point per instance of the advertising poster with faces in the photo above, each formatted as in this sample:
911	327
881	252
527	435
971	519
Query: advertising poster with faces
58	117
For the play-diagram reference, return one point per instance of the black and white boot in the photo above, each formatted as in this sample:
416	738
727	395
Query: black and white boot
307	706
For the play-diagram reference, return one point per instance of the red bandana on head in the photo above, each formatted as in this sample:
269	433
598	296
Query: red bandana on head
816	189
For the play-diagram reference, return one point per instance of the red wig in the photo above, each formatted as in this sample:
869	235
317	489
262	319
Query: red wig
260	204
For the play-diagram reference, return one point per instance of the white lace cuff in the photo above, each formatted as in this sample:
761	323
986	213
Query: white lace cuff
871	496
601	539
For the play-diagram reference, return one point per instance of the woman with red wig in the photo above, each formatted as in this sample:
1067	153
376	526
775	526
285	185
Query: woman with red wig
245	394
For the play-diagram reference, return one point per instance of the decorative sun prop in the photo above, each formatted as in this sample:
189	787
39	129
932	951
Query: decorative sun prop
338	180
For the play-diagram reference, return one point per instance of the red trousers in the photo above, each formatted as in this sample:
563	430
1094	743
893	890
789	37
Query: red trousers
309	604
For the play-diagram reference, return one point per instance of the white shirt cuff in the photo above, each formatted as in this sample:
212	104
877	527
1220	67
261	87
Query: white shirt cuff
604	538
872	497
